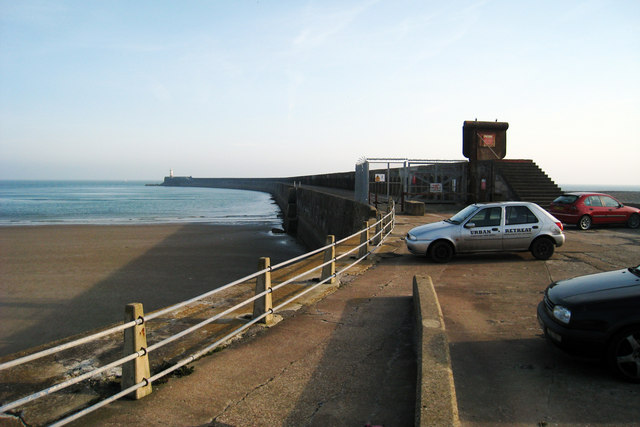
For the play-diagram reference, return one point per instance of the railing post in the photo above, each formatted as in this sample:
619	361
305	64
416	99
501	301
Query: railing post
393	216
388	222
135	339
378	237
263	304
330	255
364	239
385	222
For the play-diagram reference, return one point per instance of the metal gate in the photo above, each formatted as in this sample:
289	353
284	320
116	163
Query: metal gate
428	181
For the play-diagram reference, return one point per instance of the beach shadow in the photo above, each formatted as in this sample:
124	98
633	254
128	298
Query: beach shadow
194	260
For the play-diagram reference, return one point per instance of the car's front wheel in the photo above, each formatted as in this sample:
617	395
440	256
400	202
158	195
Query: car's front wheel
623	353
634	221
585	222
441	251
542	248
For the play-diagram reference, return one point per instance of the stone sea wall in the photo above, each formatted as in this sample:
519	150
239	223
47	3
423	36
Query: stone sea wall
310	214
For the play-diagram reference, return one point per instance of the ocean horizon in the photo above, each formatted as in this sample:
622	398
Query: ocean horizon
599	187
62	202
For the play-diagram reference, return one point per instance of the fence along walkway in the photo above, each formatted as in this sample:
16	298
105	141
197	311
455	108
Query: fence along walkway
136	379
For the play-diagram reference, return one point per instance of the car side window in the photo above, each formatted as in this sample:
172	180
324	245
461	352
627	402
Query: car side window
489	217
593	201
520	215
609	202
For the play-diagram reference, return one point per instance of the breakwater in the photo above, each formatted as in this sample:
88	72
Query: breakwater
316	208
309	214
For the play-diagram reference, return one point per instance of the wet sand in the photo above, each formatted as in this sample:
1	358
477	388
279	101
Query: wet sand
57	281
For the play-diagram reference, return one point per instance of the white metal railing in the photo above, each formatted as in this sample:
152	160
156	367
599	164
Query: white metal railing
383	227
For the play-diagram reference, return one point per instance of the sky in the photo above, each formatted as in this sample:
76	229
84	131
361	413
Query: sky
131	89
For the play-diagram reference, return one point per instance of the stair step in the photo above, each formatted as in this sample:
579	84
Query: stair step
528	181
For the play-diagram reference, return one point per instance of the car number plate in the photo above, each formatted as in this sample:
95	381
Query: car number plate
554	336
548	332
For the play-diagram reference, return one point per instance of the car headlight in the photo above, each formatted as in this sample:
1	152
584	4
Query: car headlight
561	313
411	237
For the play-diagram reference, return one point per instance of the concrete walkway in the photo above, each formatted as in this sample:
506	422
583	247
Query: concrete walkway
345	360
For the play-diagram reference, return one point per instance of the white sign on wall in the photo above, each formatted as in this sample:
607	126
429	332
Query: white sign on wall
435	187
380	177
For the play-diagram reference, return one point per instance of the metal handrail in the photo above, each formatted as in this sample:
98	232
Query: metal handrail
56	349
178	365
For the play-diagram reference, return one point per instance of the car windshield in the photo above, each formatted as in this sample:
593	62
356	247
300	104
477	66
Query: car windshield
635	270
462	215
566	199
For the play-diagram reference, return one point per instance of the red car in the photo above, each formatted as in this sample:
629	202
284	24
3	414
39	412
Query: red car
588	209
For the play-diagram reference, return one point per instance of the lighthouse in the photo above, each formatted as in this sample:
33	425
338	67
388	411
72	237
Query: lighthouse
170	173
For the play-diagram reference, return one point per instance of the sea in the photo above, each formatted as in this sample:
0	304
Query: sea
25	203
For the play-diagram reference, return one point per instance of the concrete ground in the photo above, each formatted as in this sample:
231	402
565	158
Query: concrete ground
505	372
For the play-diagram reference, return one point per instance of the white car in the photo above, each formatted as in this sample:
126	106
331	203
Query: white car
489	227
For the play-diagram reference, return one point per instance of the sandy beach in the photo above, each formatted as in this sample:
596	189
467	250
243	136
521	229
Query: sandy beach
58	281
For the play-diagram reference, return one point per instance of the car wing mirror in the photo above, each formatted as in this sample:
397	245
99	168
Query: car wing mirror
470	225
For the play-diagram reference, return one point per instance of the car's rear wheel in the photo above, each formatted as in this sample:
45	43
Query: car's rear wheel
542	248
441	251
585	222
623	353
634	221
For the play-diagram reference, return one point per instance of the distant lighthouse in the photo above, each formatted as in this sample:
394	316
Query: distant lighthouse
170	173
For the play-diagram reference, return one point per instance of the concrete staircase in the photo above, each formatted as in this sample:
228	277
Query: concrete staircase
527	181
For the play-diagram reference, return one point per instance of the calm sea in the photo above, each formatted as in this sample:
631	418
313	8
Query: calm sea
113	202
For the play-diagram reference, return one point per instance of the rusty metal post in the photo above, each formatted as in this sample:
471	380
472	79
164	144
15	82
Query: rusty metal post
135	339
329	255
264	304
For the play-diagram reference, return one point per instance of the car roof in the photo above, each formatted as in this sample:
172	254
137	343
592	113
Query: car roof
584	193
505	203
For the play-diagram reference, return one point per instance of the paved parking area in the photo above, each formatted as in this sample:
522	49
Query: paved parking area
505	372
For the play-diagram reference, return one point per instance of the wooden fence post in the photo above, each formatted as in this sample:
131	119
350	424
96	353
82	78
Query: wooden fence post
135	339
263	304
329	255
364	239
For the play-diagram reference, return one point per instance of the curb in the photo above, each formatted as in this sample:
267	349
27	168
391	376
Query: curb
436	403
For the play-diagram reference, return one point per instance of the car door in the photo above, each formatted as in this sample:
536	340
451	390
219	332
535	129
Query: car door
521	225
482	232
596	211
614	213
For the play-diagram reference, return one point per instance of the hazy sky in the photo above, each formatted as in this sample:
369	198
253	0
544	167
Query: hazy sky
130	89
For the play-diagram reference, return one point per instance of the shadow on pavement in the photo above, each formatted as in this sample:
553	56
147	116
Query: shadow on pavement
558	388
367	373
